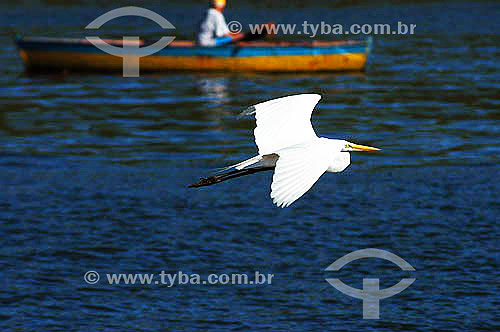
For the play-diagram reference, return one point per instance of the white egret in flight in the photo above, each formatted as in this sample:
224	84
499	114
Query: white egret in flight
288	144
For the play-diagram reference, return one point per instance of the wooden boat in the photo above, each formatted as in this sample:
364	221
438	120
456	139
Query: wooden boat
53	54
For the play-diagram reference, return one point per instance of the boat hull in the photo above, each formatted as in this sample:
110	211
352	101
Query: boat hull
65	55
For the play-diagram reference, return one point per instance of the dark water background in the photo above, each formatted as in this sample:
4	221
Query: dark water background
94	168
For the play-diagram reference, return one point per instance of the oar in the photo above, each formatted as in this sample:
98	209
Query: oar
245	37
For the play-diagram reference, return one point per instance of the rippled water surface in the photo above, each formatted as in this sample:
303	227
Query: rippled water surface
94	168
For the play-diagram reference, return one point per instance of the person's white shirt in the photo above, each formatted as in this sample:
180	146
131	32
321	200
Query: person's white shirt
212	27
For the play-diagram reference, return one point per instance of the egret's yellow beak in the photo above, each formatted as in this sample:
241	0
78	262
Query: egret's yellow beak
357	147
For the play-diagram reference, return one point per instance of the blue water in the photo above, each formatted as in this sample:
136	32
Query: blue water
94	169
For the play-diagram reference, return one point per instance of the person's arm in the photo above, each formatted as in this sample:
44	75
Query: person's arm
229	38
232	38
224	34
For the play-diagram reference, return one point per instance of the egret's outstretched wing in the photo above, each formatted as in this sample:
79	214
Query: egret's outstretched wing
283	122
297	169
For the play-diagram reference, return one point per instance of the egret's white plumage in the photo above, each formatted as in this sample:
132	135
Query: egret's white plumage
283	122
287	142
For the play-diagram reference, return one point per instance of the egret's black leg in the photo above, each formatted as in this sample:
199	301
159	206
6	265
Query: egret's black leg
229	175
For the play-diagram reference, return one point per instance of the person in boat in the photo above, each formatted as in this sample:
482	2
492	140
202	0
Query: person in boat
213	30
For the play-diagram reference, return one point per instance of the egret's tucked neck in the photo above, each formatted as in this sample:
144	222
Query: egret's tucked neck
340	161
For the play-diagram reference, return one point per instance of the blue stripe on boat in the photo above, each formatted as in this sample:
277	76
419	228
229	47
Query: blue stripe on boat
225	51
